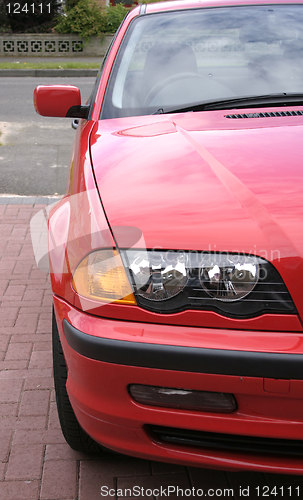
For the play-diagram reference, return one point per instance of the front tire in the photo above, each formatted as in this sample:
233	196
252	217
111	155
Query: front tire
75	436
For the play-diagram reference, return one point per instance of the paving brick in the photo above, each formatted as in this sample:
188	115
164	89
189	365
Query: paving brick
4	341
26	323
3	286
53	421
12	300
5	441
39	383
8	316
10	391
38	274
54	436
5	229
53	395
15	364
6	266
19	490
11	211
41	359
19	233
65	484
27	252
34	403
25	462
33	295
38	436
14	374
62	451
31	422
45	325
27	337
29	436
25	306
47	301
23	267
43	346
17	351
2	473
13	249
8	409
15	290
92	478
43	372
8	422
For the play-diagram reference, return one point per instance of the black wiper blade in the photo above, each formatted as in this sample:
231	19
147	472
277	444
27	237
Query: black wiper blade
251	101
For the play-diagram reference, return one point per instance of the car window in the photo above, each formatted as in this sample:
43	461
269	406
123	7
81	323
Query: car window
190	56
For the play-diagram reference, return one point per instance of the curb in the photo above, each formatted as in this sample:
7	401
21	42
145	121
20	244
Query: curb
48	72
28	200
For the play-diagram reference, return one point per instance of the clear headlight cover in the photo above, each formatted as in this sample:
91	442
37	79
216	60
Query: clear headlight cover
229	277
158	275
235	285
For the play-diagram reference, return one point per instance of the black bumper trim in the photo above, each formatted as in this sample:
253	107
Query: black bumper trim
187	359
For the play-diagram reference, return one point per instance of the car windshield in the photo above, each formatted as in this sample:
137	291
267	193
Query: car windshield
180	58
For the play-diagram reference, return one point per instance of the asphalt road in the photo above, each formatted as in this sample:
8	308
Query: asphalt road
35	151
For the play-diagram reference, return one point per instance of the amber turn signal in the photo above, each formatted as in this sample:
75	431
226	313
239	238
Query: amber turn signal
101	276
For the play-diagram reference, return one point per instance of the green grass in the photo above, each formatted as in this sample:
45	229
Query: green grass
48	65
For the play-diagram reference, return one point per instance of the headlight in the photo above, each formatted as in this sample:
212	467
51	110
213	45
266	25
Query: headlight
235	285
229	277
159	276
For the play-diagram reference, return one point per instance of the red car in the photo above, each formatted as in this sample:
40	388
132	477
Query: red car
176	255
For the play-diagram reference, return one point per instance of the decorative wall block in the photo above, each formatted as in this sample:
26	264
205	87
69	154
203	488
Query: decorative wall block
8	46
22	46
36	46
50	46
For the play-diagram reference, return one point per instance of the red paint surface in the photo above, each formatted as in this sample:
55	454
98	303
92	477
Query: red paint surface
56	100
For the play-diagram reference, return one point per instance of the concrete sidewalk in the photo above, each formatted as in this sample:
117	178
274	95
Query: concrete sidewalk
35	461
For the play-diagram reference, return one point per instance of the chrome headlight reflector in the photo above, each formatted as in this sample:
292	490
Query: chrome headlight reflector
229	277
158	275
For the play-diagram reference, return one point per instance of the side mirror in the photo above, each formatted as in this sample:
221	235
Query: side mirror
60	101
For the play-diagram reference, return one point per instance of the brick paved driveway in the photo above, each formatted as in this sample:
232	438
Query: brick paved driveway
35	461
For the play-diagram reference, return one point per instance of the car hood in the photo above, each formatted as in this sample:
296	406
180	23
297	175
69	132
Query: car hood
186	182
202	181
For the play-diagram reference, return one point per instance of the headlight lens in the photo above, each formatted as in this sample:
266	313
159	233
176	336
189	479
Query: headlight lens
161	275
158	276
235	285
229	277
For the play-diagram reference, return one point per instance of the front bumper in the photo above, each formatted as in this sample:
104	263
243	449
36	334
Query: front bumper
105	356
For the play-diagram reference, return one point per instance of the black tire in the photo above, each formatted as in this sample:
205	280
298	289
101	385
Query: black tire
75	436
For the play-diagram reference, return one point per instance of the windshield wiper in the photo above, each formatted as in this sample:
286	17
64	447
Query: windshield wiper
252	101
